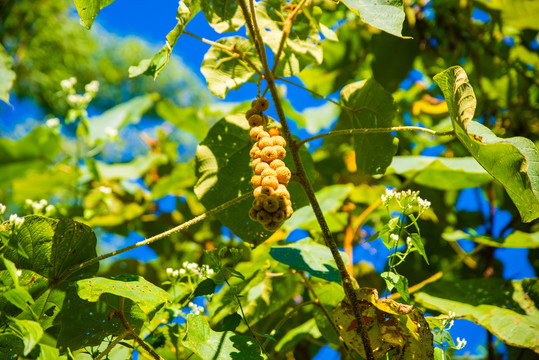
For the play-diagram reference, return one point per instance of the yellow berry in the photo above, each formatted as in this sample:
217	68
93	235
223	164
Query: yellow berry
262	134
279	216
253	133
255	162
255	152
272	226
274	132
257	191
268	154
268	172
278	140
270	181
282	191
266	190
289	211
260	167
253	213
271	204
256	181
280	151
255	120
264	142
277	163
264	217
283	175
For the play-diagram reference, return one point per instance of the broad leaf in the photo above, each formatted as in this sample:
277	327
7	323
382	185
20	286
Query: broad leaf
372	107
501	306
53	246
223	15
441	173
223	172
33	152
398	282
130	170
517	239
85	323
10	345
209	344
513	162
293	336
330	295
88	10
153	67
128	112
145	294
390	325
387	15
225	70
308	255
31	333
7	75
186	119
205	287
521	14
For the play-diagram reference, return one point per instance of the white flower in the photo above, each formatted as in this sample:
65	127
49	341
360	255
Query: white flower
390	193
92	87
169	271
394	237
408	241
18	272
68	84
2	209
111	133
175	273
461	343
105	189
182	271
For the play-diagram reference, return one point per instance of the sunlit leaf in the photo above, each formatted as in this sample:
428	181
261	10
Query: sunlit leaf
521	14
513	162
7	75
31	333
186	119
387	15
88	10
517	239
223	15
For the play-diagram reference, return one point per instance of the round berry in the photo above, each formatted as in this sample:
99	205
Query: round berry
255	162
255	152
257	192
264	142
262	134
270	181
256	181
256	120
263	104
274	131
277	163
251	112
253	133
272	226
281	152
283	175
268	154
278	140
266	190
261	166
282	191
279	216
271	204
258	203
264	217
289	211
253	213
268	172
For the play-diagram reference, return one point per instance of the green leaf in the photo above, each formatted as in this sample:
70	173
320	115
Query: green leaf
181	178
58	182
209	344
10	345
145	294
330	295
205	287
308	255
301	48
186	119
7	75
32	153
396	281
441	173
88	10
223	174
85	323
128	112
418	244
513	162
133	169
12	270
520	14
22	299
154	66
29	331
500	306
231	322
386	15
373	107
53	247
223	15
291	337
330	199
517	239
47	352
225	71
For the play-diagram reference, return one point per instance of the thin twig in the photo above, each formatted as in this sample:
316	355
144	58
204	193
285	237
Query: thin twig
315	93
120	314
160	236
302	176
374	131
112	345
230	49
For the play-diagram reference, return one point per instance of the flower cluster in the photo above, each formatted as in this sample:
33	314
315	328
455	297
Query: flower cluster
272	205
188	268
79	101
406	200
195	309
41	207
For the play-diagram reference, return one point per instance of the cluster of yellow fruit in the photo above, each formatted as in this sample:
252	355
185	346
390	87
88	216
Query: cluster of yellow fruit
272	205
